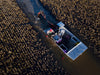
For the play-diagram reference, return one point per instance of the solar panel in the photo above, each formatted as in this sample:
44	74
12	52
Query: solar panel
76	51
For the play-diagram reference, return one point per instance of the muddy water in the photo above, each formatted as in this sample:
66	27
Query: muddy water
85	64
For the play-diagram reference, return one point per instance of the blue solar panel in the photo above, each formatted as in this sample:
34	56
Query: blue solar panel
77	51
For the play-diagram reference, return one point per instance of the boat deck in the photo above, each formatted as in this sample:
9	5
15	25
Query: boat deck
65	40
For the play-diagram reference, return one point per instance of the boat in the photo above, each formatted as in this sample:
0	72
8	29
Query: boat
63	38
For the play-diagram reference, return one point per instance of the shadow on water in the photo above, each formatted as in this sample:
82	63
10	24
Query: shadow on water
83	65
